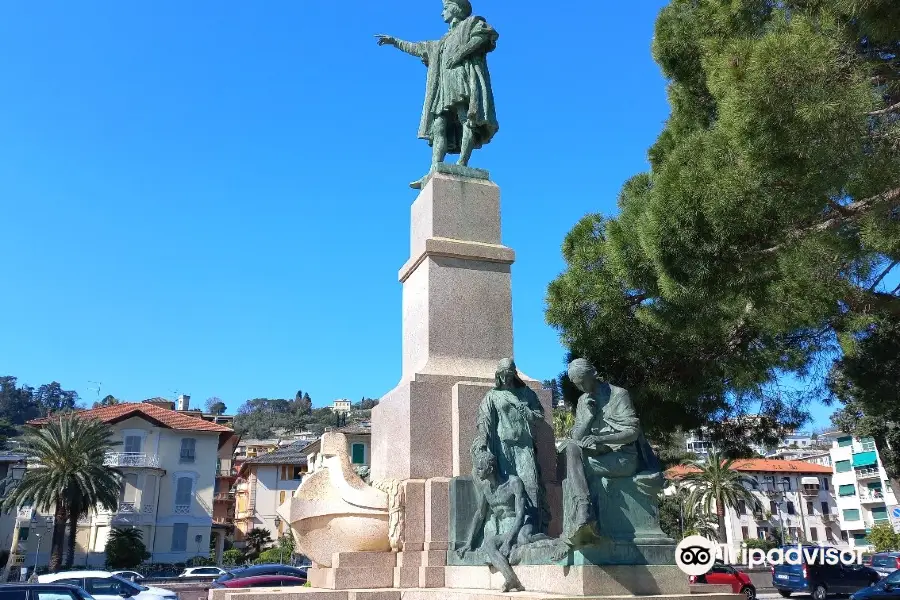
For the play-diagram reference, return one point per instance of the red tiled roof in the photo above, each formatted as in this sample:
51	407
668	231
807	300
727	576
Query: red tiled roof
161	416
759	465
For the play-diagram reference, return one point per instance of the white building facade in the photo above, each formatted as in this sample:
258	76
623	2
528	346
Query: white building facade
864	494
795	497
169	466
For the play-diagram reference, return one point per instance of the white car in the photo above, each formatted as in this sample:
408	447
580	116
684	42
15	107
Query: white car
203	572
129	575
103	585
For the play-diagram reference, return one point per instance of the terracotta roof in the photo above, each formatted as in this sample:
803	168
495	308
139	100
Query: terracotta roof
161	416
759	465
286	455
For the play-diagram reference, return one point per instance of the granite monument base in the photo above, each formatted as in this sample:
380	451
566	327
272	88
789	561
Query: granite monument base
294	593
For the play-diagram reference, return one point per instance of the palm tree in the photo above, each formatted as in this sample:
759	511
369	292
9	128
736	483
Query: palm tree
715	485
92	439
257	538
69	477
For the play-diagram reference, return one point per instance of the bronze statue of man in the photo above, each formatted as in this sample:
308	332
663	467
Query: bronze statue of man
458	115
606	442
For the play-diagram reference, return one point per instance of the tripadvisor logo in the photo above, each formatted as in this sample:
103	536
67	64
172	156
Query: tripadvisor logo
696	555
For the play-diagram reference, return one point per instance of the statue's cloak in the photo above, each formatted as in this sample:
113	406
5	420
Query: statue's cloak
464	88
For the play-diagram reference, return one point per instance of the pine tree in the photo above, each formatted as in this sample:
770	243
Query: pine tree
761	241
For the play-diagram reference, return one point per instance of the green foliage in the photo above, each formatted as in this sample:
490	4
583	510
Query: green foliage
256	538
563	422
883	538
764	545
125	549
68	475
261	418
759	243
18	405
215	406
108	400
200	561
272	555
286	543
714	485
670	507
232	557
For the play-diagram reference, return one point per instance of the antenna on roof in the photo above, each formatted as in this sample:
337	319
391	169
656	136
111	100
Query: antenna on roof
96	389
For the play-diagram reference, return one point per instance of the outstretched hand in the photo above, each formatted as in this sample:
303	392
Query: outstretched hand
386	40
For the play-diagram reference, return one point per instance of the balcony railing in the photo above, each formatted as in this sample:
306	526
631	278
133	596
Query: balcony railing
871	496
182	509
223	497
868	473
810	490
131	459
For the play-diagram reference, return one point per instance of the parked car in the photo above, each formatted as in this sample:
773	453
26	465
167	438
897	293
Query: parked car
820	579
886	589
722	574
202	572
257	570
129	575
265	581
103	585
885	562
42	591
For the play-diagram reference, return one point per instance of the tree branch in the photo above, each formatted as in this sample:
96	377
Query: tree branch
850	212
884	274
884	111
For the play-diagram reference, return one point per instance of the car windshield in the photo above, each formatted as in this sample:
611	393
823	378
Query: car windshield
228	575
131	584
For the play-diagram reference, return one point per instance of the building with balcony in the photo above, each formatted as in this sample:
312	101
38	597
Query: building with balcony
864	493
266	481
793	497
172	465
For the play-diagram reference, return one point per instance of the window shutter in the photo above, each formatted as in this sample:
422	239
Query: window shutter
183	490
188	446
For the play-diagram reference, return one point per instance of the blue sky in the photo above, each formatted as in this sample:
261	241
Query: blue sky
210	197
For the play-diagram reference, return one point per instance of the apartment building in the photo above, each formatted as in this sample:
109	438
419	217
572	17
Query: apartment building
793	446
359	444
796	497
171	463
864	494
266	481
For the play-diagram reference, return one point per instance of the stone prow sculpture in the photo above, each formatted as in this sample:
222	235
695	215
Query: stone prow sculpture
334	510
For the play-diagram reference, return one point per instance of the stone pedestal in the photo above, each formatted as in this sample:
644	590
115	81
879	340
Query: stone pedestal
457	325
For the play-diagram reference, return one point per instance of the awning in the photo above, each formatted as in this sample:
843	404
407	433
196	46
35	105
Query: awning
810	481
865	459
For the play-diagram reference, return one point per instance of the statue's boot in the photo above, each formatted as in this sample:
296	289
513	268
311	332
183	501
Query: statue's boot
584	531
418	183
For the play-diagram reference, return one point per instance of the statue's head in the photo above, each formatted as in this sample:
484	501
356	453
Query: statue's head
583	374
506	376
484	464
456	10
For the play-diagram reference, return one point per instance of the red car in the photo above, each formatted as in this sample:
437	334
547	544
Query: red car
725	575
264	581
